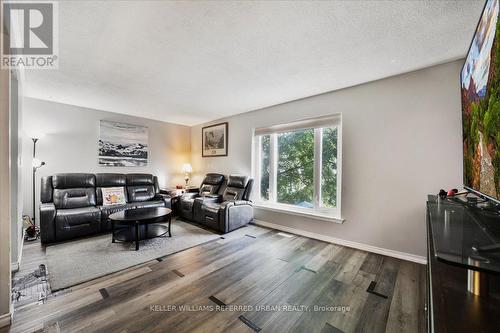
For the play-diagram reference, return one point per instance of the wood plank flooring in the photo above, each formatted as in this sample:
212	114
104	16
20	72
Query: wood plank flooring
29	285
264	281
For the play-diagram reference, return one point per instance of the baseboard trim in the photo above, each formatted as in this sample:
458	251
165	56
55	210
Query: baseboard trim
343	242
5	319
14	267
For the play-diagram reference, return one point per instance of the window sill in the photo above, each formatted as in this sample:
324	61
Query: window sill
299	212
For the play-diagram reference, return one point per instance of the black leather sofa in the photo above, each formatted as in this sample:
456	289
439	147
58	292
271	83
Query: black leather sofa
220	204
71	203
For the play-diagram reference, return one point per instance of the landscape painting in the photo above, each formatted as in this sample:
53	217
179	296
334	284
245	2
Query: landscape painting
122	145
480	89
214	140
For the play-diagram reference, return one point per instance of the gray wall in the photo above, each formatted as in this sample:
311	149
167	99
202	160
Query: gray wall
401	141
70	143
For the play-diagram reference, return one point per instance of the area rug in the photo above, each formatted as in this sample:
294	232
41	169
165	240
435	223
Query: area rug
82	260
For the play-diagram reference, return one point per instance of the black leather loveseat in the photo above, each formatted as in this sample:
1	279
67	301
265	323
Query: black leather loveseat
220	204
71	203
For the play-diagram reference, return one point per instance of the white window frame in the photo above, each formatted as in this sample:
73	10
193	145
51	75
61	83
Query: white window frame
319	211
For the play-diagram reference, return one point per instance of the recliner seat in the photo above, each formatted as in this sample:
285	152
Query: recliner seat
74	200
209	186
104	180
228	209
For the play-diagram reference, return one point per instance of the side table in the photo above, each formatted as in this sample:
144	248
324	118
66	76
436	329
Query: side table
175	196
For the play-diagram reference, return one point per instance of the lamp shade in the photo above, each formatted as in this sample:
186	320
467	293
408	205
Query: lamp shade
37	163
187	168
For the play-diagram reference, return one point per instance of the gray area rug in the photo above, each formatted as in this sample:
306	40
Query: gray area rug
82	260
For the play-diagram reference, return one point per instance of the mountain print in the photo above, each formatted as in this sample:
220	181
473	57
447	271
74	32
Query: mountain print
123	144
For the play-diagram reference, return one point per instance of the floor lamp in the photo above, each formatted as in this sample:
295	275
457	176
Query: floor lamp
37	164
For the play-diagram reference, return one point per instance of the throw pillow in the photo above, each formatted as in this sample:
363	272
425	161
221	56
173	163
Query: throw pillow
113	196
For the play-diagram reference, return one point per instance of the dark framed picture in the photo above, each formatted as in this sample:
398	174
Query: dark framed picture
214	140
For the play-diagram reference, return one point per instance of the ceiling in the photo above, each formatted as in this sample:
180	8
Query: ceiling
190	62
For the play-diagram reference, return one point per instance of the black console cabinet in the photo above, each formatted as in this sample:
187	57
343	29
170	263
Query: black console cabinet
451	229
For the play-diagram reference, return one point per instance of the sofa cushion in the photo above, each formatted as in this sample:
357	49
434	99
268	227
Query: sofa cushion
47	222
109	180
210	215
213	179
167	200
73	180
207	189
211	183
187	203
235	188
156	185
140	187
186	206
198	203
140	179
74	197
71	217
248	190
149	204
77	222
46	189
108	210
237	181
140	193
211	207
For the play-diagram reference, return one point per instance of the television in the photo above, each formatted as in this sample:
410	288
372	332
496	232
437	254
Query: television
480	90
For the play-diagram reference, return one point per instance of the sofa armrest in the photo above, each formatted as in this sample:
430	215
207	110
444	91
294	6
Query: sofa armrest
243	202
212	198
166	198
47	222
231	203
190	195
235	214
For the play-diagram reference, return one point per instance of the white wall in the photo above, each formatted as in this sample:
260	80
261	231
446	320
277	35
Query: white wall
16	169
70	144
401	141
5	193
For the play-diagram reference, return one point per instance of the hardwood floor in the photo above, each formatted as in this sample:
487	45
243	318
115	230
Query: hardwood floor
29	283
264	281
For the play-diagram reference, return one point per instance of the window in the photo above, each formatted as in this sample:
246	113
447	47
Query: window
298	166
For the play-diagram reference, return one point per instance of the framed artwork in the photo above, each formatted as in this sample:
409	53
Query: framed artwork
214	140
122	145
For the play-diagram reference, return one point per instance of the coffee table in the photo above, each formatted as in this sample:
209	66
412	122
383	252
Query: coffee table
140	224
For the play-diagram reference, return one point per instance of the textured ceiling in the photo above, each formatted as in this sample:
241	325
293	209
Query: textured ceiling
191	62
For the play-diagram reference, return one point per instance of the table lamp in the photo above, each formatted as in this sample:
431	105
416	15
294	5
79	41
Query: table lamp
186	170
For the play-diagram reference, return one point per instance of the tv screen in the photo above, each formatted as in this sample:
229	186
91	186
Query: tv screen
480	87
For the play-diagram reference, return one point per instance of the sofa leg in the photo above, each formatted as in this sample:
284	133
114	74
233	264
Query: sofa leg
112	231
137	236
169	226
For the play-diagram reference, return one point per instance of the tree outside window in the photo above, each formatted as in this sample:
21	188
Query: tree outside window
300	168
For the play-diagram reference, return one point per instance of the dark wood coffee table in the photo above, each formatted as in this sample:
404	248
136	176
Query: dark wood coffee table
140	224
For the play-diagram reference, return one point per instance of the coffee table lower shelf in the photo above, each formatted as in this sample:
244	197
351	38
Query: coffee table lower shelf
133	225
148	231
